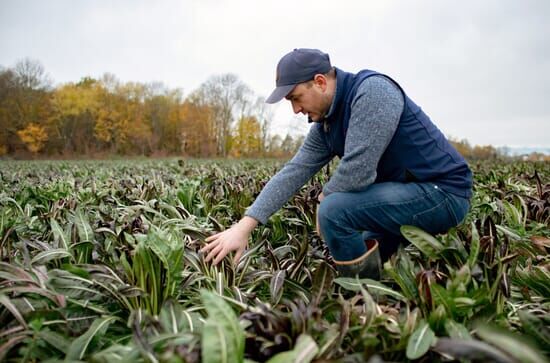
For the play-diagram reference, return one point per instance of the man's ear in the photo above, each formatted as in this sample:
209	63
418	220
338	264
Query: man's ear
321	81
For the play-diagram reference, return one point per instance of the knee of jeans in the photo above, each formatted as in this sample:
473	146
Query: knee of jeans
330	209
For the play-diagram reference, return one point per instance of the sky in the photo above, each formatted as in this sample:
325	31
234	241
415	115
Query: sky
479	69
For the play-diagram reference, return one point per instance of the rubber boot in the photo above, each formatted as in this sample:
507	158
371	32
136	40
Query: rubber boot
368	265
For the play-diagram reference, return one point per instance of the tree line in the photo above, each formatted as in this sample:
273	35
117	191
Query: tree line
95	117
103	117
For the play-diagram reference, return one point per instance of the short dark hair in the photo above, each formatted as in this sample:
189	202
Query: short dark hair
331	74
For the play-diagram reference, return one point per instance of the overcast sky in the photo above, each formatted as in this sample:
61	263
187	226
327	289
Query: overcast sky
480	69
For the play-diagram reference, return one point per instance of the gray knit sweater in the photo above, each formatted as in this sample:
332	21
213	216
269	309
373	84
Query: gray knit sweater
375	113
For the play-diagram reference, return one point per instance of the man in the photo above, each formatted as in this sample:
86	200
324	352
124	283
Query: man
396	167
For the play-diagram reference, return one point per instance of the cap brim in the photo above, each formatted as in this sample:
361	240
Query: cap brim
279	93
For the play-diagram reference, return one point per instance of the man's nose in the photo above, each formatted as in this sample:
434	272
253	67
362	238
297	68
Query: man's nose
296	108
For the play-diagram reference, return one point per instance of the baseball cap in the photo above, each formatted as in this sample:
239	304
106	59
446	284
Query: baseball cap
300	65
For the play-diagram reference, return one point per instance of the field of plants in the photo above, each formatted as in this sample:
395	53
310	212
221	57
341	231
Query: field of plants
99	262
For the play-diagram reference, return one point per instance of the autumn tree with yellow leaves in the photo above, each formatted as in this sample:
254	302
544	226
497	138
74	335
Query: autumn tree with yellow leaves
34	137
246	139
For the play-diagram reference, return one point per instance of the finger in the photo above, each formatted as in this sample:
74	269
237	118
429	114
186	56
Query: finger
212	237
238	255
214	252
220	256
209	246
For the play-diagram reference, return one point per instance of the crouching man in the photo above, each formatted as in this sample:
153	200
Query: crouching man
396	168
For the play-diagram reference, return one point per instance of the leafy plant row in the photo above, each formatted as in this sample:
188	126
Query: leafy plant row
99	262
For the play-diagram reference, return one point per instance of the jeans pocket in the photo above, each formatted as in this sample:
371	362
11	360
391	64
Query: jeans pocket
437	219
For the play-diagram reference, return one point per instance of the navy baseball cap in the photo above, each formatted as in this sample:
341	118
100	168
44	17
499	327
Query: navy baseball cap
298	66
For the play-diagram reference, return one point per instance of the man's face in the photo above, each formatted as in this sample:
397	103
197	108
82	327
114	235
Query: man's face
311	99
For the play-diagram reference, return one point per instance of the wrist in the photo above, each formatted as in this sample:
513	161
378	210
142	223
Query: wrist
248	223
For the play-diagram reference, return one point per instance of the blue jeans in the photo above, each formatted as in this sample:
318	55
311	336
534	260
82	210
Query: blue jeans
346	220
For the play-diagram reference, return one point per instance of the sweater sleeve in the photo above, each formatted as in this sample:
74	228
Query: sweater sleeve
375	113
310	158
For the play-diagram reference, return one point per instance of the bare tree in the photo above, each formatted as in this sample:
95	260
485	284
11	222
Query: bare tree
264	115
31	74
229	98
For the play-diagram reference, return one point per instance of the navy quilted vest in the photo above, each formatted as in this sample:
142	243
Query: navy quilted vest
418	151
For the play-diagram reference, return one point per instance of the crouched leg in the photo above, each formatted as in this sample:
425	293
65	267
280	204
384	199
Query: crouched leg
352	255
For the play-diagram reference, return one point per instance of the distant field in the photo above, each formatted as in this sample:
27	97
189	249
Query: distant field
99	262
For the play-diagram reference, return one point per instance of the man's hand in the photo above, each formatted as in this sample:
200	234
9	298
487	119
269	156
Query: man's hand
317	229
321	197
232	239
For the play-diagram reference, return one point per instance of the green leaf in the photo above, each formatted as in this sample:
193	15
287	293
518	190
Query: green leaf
442	296
53	254
55	339
174	319
276	286
118	353
535	327
471	350
304	351
403	273
59	235
373	286
456	330
322	282
474	247
221	314
425	242
78	347
4	300
217	344
85	232
514	344
420	341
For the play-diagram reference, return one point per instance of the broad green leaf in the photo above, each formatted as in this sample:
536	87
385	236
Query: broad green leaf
217	344
78	347
170	252
304	351
474	246
461	302
420	341
118	353
222	314
425	242
59	235
173	339
514	344
174	319
442	296
404	275
373	286
509	232
55	339
456	330
45	256
85	232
